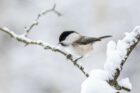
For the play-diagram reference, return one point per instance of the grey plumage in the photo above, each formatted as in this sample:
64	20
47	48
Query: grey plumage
86	40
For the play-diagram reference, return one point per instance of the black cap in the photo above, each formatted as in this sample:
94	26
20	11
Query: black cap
64	35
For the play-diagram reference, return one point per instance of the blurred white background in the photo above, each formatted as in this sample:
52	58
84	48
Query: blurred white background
34	70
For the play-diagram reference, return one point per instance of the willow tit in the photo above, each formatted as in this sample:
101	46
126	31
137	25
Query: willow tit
77	44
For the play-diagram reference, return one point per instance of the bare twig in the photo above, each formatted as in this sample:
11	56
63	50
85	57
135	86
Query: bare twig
27	41
36	21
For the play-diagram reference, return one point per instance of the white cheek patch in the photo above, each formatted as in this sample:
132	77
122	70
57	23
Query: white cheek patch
71	38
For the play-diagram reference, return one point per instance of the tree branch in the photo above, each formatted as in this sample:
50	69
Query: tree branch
118	55
27	41
105	80
36	21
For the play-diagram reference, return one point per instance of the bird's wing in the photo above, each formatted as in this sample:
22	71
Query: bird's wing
86	40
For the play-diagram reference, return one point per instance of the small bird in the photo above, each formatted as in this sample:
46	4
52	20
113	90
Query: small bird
78	45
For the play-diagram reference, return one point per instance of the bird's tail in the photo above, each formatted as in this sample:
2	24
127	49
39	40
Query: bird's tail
103	37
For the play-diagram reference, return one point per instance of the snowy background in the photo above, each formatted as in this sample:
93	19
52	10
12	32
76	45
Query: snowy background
32	70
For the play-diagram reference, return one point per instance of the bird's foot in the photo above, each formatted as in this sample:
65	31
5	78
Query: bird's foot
75	61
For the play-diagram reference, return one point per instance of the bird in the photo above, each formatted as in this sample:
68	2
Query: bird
78	45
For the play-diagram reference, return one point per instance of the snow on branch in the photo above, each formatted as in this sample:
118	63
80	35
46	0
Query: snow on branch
36	21
24	39
117	54
27	41
105	80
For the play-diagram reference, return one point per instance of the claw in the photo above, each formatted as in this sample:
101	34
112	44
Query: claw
75	61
